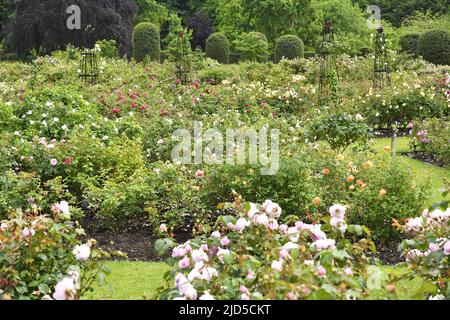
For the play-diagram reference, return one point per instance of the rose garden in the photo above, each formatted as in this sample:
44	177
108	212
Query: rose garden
227	150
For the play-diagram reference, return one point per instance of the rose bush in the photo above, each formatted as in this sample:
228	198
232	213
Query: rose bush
251	255
427	250
42	257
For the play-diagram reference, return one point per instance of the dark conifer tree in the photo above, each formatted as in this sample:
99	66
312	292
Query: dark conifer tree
41	24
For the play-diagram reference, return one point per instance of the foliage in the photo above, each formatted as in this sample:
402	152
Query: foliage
43	31
250	256
202	27
218	48
400	105
427	250
108	49
289	47
397	12
339	130
151	11
433	138
252	46
146	42
38	252
409	43
434	46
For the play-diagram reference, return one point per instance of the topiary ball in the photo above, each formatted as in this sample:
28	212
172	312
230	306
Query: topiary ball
146	42
290	47
218	48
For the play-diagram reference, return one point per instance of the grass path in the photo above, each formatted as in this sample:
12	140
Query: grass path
138	280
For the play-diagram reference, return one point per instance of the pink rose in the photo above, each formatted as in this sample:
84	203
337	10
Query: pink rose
321	271
277	265
53	162
184	263
225	241
447	248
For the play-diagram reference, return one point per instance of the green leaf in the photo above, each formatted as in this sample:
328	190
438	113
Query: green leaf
376	278
341	255
44	288
228	259
162	245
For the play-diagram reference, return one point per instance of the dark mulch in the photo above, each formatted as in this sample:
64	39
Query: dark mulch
137	241
135	238
425	157
388	253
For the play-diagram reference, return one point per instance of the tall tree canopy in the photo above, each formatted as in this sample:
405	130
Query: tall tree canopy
41	24
396	11
6	10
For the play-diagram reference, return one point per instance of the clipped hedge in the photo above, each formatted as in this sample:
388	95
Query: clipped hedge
434	46
409	43
146	42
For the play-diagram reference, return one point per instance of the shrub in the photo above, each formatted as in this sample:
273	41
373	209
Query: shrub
382	190
434	46
427	250
218	48
339	130
409	43
252	46
248	255
289	47
433	138
42	256
402	107
108	49
146	42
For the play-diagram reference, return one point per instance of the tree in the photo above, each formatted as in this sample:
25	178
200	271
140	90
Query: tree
6	10
150	11
202	28
41	25
276	17
396	11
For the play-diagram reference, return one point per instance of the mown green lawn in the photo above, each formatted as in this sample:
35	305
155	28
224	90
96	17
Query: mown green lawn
131	281
139	280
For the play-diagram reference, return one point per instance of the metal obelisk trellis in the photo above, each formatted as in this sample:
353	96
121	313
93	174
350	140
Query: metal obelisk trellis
89	60
325	53
381	70
183	62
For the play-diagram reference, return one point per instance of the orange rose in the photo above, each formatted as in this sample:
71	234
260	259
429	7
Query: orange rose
382	192
317	201
350	179
326	172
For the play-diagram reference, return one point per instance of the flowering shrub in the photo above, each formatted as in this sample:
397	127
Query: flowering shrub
427	251
43	258
251	255
339	130
432	137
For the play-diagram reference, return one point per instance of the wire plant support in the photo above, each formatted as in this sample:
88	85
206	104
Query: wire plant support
326	60
381	70
89	70
183	62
